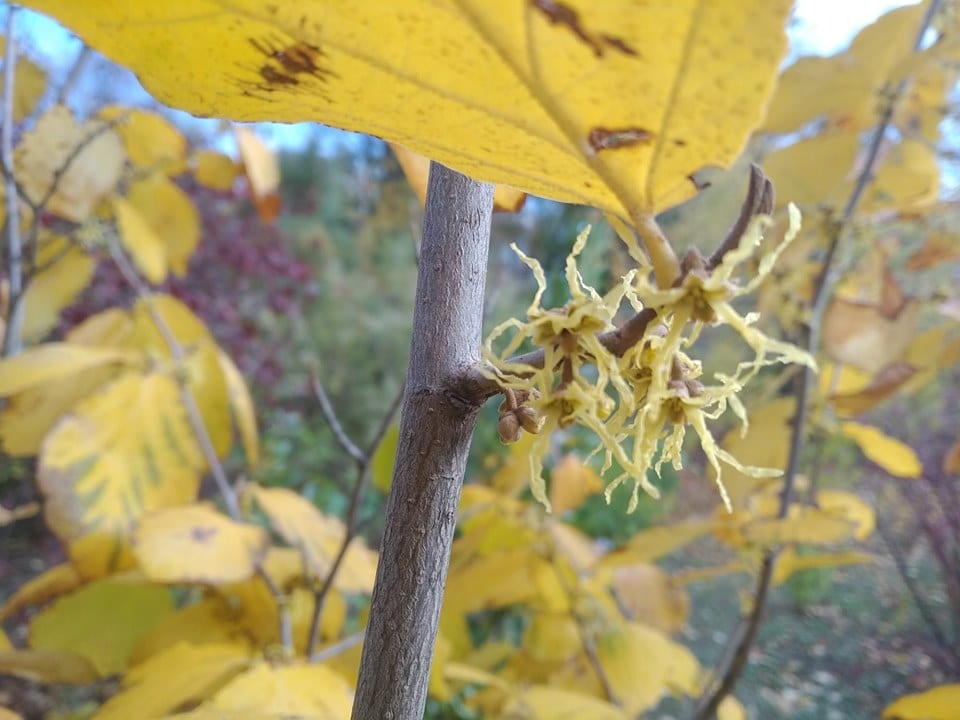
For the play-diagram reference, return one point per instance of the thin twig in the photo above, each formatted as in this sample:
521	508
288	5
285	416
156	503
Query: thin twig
330	416
759	201
712	697
186	397
338	647
13	334
353	510
79	64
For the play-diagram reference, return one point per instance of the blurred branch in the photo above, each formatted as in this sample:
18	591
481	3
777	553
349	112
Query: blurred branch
333	421
338	647
363	458
79	65
186	397
810	339
759	201
12	337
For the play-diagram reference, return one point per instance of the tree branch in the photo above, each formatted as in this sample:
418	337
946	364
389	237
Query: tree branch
353	511
333	421
435	430
13	333
810	339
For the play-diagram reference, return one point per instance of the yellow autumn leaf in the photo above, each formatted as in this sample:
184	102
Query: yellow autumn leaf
648	595
731	709
865	336
318	536
54	361
668	666
197	544
552	636
766	443
301	604
87	161
889	453
571	482
417	169
907	178
655	542
64	270
48	666
313	691
878	388
790	561
51	583
262	169
849	506
210	621
527	94
140	240
118	454
180	674
937	703
814	170
803	525
169	212
214	170
203	371
242	409
102	621
381	465
29	84
151	141
546	702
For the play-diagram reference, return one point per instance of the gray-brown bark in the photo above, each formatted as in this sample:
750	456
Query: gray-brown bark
435	431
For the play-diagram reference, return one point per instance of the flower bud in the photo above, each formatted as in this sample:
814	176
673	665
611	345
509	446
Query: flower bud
508	428
529	419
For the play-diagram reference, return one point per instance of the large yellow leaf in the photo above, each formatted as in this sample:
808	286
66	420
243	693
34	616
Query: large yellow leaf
884	384
647	594
938	703
552	636
140	240
572	482
214	170
102	621
85	160
889	453
313	691
765	444
610	104
865	336
319	537
814	170
545	702
652	543
64	270
53	361
120	453
197	544
210	621
668	666
180	674
152	142
170	213
840	503
845	87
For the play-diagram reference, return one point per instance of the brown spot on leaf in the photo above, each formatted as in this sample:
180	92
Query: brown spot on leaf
202	534
699	184
558	13
679	143
289	64
601	138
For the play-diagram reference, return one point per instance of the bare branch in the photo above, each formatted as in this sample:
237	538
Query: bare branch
353	511
810	339
330	416
79	65
338	647
186	397
12	340
759	201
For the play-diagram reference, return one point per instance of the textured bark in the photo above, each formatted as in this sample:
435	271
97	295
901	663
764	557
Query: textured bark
435	431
